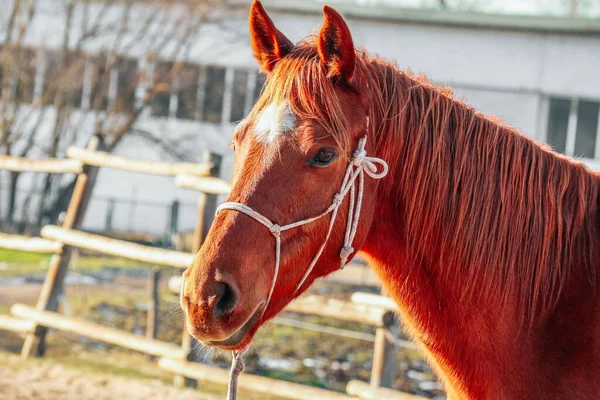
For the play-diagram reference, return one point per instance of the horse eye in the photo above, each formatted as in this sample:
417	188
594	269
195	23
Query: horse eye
324	157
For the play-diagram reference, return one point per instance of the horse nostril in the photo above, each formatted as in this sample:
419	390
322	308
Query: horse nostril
226	300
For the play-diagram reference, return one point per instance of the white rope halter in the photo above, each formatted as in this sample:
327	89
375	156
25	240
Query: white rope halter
358	166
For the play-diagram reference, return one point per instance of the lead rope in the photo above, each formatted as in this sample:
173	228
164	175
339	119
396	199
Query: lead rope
358	166
237	367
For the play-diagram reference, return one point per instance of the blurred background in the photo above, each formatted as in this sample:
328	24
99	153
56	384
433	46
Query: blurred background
167	80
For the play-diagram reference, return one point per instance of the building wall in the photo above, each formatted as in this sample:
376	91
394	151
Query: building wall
510	74
514	75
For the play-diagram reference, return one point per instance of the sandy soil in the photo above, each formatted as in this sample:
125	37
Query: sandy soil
27	294
44	381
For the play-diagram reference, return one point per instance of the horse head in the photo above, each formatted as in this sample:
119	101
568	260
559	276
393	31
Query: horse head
297	210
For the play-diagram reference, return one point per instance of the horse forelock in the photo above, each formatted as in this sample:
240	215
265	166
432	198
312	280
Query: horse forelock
300	81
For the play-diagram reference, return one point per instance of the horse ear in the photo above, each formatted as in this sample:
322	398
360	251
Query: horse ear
268	43
335	46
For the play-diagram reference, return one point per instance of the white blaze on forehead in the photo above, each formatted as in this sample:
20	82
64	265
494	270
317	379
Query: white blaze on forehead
273	121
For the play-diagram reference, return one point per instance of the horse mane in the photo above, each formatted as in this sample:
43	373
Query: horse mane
488	208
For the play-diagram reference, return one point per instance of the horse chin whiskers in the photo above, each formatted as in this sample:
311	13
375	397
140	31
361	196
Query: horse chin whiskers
207	352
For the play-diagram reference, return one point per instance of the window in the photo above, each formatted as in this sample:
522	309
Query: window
162	89
75	73
25	60
261	79
127	83
573	127
2	63
69	80
215	90
100	83
587	129
238	97
187	91
51	75
558	121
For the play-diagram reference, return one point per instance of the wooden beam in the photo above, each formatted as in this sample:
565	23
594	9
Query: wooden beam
153	304
383	372
174	284
341	310
97	332
53	286
49	165
329	330
257	384
104	159
119	248
208	185
27	243
8	323
374	300
364	391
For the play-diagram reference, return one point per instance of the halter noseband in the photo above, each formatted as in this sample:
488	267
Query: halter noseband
358	166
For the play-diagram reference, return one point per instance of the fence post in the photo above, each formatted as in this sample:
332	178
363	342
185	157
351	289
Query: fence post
384	354
207	206
153	305
110	210
173	222
52	289
384	360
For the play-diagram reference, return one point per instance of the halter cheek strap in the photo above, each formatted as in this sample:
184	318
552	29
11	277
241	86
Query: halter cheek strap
360	165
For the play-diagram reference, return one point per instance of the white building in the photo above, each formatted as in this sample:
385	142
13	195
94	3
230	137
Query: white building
541	75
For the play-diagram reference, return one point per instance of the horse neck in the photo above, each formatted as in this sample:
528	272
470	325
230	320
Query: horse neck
486	208
461	299
409	121
409	217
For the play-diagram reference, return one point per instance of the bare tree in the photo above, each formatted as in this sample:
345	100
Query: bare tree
578	8
102	74
573	5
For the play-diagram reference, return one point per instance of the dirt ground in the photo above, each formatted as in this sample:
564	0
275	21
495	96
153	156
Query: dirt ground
27	294
50	381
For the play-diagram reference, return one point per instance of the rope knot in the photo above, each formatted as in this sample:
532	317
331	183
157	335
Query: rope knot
275	230
359	157
345	254
338	199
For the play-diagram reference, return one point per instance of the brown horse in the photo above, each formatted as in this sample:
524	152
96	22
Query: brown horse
488	241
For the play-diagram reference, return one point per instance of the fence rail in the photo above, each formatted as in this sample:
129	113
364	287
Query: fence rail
27	243
60	240
367	392
374	300
342	310
49	165
104	159
208	185
254	383
97	332
18	325
119	248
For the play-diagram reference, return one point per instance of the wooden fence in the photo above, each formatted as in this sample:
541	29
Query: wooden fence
59	241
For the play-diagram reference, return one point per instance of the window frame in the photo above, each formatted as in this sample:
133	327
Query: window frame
570	138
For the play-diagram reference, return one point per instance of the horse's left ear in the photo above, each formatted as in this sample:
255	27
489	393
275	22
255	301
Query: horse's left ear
336	47
268	43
